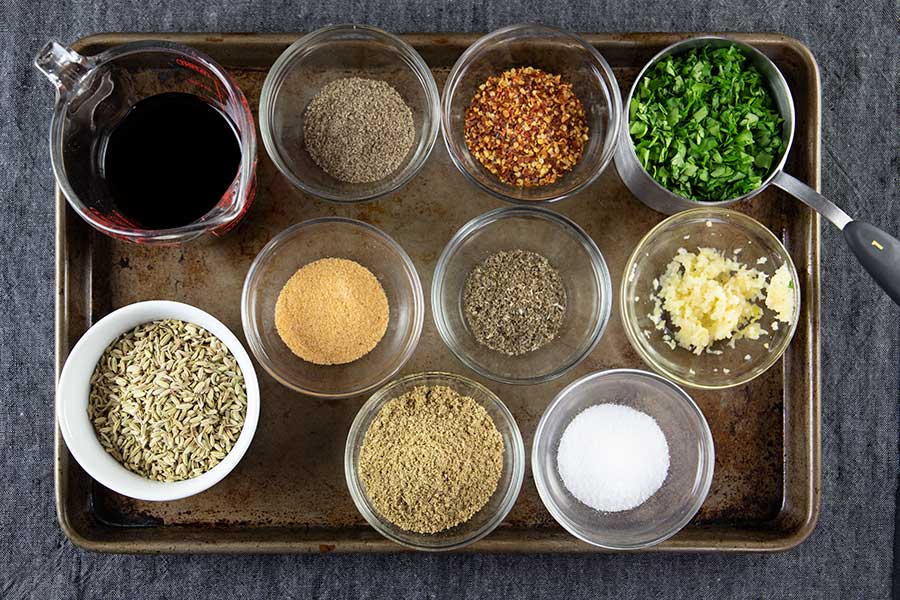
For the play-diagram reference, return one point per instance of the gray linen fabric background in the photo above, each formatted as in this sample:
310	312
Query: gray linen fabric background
848	556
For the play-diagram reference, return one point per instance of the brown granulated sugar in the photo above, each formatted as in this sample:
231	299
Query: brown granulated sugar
332	311
431	459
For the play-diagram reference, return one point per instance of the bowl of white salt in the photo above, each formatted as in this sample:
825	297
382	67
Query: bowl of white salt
623	459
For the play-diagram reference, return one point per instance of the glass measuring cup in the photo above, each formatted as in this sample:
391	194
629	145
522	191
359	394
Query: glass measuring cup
876	250
94	93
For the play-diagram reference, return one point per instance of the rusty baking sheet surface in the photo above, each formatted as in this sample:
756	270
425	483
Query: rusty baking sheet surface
288	494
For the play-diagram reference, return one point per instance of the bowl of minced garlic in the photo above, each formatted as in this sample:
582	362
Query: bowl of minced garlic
710	297
332	307
434	461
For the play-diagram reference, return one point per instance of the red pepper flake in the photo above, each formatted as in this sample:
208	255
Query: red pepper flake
526	126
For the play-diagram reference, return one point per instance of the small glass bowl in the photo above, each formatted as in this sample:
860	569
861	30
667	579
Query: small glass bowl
556	52
568	248
332	237
728	231
333	53
691	460
482	522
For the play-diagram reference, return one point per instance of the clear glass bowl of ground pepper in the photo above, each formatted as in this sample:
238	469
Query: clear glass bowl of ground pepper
407	474
531	113
349	113
521	295
332	307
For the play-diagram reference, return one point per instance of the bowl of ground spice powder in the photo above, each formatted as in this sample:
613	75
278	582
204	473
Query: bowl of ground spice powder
434	461
349	113
530	113
521	295
332	307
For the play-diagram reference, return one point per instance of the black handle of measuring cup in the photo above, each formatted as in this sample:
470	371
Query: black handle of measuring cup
878	252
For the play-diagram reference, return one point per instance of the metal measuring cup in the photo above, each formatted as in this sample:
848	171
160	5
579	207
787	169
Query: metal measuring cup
878	251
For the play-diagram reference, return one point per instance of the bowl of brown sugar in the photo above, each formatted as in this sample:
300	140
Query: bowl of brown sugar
332	307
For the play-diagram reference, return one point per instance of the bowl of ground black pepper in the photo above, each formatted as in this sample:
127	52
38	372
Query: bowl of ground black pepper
434	461
530	113
349	113
332	307
521	295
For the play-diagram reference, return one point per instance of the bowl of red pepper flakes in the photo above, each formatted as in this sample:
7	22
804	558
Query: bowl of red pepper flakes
526	126
530	114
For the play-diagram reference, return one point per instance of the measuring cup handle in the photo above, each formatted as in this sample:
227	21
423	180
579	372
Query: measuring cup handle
878	252
62	66
812	198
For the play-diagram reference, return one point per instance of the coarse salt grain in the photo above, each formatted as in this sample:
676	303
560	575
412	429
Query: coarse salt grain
612	457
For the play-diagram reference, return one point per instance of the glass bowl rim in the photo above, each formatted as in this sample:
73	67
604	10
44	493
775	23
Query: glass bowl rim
707	456
611	137
743	222
602	286
281	67
383	395
266	253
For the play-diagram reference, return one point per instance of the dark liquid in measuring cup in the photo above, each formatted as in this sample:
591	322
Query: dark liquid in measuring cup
170	160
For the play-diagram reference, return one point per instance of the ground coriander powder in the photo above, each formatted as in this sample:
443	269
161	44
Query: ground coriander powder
431	459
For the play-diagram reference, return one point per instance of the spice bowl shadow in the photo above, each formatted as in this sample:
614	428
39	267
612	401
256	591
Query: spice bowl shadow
568	248
739	237
333	237
691	459
501	501
323	57
553	51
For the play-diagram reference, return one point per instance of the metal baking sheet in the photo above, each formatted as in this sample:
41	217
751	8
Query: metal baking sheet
288	494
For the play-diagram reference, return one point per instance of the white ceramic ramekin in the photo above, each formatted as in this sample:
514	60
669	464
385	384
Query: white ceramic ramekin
74	387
